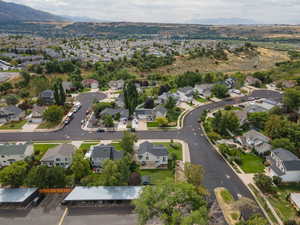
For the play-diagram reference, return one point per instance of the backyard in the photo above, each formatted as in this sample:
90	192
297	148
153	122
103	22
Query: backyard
251	163
158	175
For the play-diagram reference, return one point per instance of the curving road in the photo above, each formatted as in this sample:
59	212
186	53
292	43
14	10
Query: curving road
217	172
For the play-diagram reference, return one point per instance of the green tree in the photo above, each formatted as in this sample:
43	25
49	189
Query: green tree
224	122
53	114
255	220
276	127
59	93
220	90
194	174
264	182
162	121
172	203
11	99
46	177
80	167
108	121
130	97
291	99
171	103
258	119
26	77
14	174
127	142
283	143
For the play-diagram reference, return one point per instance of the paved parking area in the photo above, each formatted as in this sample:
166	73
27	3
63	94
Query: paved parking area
100	216
48	212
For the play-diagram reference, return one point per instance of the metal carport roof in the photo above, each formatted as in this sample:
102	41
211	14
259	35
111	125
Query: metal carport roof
15	195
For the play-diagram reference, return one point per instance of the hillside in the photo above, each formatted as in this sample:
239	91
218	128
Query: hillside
11	12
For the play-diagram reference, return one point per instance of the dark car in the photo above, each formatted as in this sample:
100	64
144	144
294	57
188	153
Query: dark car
100	130
36	201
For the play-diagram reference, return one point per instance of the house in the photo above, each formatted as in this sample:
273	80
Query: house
60	155
10	153
229	82
204	89
255	140
252	81
124	113
116	84
262	105
90	83
37	114
47	97
287	83
242	115
99	153
68	86
163	98
144	114
159	111
120	101
11	113
152	154
284	164
185	94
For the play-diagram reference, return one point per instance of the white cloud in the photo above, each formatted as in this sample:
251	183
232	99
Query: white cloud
264	11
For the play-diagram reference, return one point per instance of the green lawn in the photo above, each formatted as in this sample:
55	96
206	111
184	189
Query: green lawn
13	125
251	163
41	149
152	124
157	176
201	100
117	146
282	206
84	147
47	125
227	196
175	147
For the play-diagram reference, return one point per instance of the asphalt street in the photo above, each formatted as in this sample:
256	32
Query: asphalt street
217	172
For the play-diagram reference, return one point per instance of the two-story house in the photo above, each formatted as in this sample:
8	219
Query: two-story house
284	164
10	153
255	140
150	154
98	154
11	113
47	97
61	155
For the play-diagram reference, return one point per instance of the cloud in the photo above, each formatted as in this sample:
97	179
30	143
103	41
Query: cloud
177	11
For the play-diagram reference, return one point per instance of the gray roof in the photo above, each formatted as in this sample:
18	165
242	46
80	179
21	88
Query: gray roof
63	150
155	149
160	109
113	112
255	108
104	193
10	110
292	165
47	94
144	112
106	151
284	154
67	85
15	195
13	149
255	135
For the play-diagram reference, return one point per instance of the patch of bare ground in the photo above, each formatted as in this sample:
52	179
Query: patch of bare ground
266	59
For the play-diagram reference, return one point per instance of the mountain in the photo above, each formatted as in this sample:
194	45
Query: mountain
12	12
223	21
84	19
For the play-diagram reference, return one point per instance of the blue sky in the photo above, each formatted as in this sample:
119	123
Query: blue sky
263	11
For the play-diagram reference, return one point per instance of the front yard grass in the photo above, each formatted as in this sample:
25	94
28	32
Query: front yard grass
84	147
13	125
201	100
251	163
47	125
41	149
158	175
117	146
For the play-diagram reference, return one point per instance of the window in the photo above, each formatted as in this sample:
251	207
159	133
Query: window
164	158
57	159
147	157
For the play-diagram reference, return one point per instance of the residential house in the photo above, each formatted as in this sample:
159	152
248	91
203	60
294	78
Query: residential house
11	113
120	102
185	94
287	83
68	86
159	111
90	83
47	97
10	153
262	105
242	115
60	155
255	140
204	89
124	113
230	82
99	153
144	114
150	154
252	81
163	98
37	114
116	84
284	164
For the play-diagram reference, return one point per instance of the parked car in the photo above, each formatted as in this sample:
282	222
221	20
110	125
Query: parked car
100	130
36	201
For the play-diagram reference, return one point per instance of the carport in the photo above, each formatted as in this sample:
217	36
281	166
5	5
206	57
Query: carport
103	195
19	197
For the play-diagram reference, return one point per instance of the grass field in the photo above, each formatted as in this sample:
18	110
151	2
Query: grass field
41	149
227	196
251	163
84	147
157	176
13	125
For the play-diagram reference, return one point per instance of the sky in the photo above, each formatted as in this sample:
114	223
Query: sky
174	11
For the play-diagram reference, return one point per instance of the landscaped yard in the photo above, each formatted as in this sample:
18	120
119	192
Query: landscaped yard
251	163
41	149
201	100
13	125
227	196
117	146
152	124
157	175
282	206
84	147
47	125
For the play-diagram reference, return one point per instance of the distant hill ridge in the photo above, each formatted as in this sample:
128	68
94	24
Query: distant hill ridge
10	12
